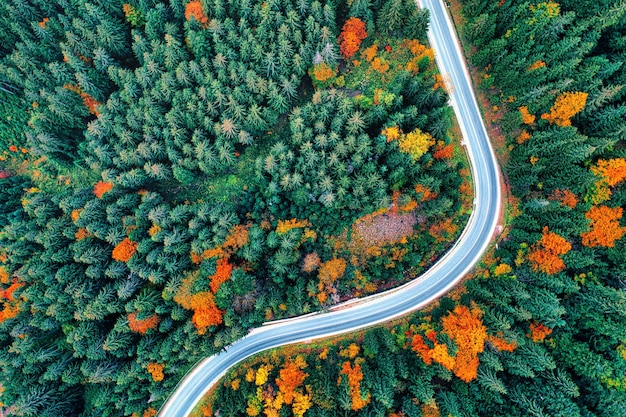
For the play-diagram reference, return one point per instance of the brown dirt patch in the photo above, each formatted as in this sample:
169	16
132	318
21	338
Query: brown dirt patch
384	228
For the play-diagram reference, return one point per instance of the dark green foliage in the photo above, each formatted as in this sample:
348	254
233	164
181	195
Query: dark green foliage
13	116
11	190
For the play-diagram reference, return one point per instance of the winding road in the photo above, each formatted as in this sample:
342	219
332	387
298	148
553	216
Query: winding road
397	302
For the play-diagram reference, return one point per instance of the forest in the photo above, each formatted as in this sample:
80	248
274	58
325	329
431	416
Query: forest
173	174
169	181
539	329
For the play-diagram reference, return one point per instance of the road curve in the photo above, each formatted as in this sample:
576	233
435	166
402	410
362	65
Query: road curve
411	296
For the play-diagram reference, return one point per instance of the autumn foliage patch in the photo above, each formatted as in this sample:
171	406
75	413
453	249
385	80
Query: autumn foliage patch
291	377
89	102
502	269
565	107
286	225
501	344
610	173
8	302
536	65
329	272
444	152
311	262
124	250
527	117
352	34
465	327
545	255
205	311
156	371
221	275
604	226
321	73
565	197
194	9
142	326
355	376
538	332
100	188
81	233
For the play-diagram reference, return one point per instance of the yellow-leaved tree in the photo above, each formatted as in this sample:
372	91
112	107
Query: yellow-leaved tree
565	107
415	143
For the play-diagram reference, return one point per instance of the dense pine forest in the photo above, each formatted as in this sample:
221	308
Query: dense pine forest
540	328
173	174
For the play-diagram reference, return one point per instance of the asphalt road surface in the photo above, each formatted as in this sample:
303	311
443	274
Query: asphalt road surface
397	302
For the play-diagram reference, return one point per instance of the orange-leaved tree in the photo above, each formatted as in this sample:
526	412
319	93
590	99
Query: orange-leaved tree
194	8
150	412
604	228
328	273
154	229
527	117
419	346
545	254
81	233
124	250
321	73
430	410
565	197
352	34
565	107
76	213
536	65
425	192
440	354
443	230
9	311
538	332
142	326
523	137
156	371
351	351
132	14
291	377
444	151
102	187
221	275
502	269
610	172
355	376
391	133
237	238
4	274
370	53
8	303
465	327
205	311
380	65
